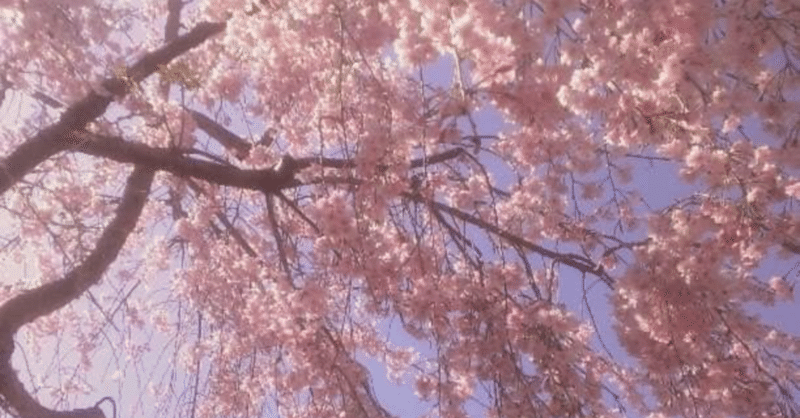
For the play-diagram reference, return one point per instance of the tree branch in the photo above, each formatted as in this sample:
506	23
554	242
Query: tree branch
55	138
119	150
578	262
267	180
232	142
48	298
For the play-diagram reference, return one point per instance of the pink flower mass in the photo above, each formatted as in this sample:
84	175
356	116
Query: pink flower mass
399	208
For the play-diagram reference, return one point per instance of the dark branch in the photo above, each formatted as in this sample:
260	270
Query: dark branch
50	297
173	19
349	163
55	138
232	142
116	149
578	262
267	180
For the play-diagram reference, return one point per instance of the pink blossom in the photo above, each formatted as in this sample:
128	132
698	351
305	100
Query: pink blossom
469	173
793	190
782	288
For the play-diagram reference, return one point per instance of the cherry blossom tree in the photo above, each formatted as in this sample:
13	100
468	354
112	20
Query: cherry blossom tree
239	194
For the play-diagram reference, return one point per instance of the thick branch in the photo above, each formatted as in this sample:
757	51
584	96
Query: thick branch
232	142
790	246
173	19
150	63
27	407
52	296
267	180
117	149
55	138
48	298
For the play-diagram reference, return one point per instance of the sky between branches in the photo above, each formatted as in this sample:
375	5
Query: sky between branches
576	118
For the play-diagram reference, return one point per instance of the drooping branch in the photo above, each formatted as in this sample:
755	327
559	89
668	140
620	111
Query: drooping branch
580	263
269	181
48	298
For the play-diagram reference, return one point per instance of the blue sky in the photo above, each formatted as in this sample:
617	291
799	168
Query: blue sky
659	186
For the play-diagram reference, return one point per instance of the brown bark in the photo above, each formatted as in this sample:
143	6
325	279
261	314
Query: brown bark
46	299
